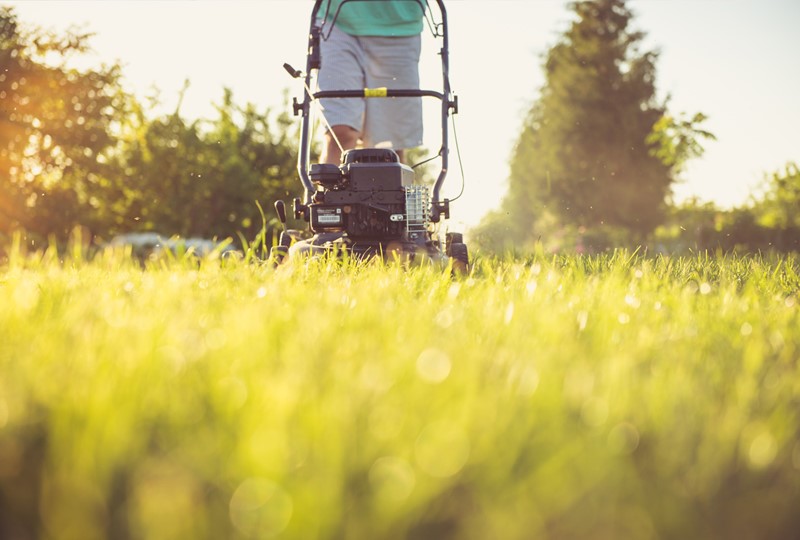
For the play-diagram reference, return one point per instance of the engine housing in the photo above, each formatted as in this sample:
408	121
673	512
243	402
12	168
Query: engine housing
367	196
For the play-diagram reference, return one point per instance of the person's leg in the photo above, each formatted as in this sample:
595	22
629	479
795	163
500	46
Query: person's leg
392	62
341	69
348	138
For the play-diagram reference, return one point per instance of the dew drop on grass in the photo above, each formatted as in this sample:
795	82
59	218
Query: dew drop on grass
509	315
525	378
632	301
260	508
452	293
444	319
776	340
261	292
583	318
530	288
433	365
705	288
26	295
762	450
392	479
623	438
624	318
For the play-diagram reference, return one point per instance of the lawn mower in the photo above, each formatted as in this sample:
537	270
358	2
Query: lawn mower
370	204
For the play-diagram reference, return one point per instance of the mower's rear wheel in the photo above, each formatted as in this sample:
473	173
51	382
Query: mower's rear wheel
460	256
450	239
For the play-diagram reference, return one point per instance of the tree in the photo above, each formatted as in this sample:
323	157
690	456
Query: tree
54	122
77	150
199	178
597	149
769	222
779	206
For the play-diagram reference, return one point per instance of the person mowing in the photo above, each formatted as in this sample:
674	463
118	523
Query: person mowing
371	44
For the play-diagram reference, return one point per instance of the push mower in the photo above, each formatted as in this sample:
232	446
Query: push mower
371	204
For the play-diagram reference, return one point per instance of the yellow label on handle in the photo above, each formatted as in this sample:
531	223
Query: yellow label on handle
375	92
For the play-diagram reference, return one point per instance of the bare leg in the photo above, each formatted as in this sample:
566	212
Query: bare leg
348	137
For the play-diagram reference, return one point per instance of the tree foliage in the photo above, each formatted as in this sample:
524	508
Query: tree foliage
770	221
779	205
200	178
54	122
597	148
77	150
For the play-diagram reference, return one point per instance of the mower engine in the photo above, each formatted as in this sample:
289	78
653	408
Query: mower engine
369	197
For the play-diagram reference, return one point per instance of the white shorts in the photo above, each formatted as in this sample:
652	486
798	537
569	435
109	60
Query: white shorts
356	62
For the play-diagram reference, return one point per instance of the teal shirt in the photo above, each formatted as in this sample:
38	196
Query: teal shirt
390	18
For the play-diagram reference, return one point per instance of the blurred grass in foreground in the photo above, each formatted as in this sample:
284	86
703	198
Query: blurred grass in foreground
558	397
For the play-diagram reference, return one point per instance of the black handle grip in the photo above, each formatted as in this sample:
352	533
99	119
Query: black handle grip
280	208
295	73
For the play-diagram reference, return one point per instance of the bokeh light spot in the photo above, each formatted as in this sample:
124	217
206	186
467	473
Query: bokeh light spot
393	479
433	365
623	438
762	450
260	508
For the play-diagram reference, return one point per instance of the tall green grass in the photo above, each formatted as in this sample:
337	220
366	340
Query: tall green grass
617	396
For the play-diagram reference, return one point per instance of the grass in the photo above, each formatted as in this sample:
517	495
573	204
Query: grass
617	396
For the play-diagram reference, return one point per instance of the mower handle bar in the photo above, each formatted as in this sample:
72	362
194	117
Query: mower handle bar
378	93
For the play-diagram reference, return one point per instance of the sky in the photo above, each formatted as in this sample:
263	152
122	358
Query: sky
734	60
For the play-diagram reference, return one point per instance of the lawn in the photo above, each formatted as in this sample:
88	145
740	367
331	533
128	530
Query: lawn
555	397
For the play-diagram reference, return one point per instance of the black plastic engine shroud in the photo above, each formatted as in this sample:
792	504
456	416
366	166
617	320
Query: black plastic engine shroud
365	197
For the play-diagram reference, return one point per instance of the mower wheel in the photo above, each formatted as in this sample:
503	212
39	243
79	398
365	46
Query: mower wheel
450	239
460	256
